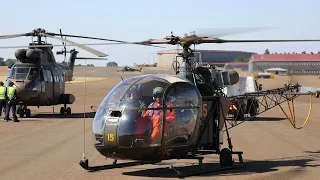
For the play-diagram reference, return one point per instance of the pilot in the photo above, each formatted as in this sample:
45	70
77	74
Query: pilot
11	102
2	97
155	116
132	93
34	75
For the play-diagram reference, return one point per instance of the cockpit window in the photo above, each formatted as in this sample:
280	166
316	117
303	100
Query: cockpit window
116	94
34	74
110	101
23	73
19	73
143	91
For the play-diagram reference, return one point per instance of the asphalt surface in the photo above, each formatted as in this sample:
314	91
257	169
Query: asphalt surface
48	146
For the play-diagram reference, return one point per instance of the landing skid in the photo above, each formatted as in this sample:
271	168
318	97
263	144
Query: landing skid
203	170
84	163
225	164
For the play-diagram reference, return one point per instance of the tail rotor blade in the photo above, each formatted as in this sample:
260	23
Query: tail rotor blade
64	45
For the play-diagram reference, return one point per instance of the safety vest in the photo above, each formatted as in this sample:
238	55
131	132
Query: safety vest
10	92
152	111
2	93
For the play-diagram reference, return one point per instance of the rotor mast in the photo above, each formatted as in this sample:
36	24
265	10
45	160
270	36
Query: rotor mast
186	66
38	33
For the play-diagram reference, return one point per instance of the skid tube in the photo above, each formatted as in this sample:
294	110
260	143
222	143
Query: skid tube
204	170
84	163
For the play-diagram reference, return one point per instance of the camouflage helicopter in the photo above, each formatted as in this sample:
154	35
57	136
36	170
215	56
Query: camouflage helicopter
38	78
127	68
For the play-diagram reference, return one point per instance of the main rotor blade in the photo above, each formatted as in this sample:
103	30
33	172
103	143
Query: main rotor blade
92	58
86	48
218	32
251	41
163	41
57	45
13	36
103	39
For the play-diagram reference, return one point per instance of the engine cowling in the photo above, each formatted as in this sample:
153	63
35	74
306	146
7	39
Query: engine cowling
21	54
33	55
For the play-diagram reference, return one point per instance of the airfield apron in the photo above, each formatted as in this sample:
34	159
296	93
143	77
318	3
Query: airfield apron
156	118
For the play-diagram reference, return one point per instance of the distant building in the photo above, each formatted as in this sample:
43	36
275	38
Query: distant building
243	66
277	71
214	57
290	63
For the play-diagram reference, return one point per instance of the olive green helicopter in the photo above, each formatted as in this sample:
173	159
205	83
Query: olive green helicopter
129	69
38	78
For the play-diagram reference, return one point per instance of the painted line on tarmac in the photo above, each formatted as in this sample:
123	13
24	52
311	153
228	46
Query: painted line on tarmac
88	80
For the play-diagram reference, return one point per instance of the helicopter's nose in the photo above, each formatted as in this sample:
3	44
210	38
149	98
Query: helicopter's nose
26	90
19	86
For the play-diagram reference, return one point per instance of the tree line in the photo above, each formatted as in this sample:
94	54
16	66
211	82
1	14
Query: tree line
8	62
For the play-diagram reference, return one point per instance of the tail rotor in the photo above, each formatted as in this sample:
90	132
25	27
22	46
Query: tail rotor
64	50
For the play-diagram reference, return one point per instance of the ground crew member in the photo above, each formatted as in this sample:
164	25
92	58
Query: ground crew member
2	98
11	102
156	117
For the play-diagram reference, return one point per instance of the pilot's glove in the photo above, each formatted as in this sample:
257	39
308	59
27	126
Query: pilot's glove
142	107
142	104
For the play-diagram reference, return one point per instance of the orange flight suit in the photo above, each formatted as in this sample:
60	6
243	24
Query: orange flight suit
156	118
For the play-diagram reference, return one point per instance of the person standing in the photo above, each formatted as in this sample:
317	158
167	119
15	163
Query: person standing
2	97
11	103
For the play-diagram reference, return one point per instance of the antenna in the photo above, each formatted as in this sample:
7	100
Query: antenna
84	111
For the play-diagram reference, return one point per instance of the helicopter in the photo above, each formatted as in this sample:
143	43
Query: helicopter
38	78
127	68
193	112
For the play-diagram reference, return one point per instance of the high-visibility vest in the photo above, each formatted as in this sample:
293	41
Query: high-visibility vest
10	92
2	93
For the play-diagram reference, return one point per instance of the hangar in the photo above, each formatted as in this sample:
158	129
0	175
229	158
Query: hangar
243	66
303	64
219	57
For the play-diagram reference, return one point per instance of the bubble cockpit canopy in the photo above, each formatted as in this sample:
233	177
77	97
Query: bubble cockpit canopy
133	99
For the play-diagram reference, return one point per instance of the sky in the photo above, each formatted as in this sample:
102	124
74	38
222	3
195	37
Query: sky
143	20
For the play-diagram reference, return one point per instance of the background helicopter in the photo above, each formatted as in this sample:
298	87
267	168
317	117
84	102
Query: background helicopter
127	68
38	78
201	112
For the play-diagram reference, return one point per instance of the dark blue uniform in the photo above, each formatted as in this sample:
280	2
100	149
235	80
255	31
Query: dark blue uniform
11	103
3	98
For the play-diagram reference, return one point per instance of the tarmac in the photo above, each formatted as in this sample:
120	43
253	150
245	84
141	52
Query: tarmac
47	146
